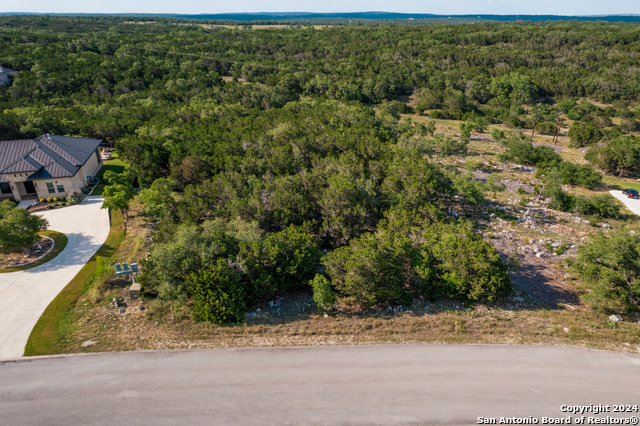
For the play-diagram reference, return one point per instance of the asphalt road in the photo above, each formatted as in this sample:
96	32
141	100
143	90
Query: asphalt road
394	384
631	203
24	295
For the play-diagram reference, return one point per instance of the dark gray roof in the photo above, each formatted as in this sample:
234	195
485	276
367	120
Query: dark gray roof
48	156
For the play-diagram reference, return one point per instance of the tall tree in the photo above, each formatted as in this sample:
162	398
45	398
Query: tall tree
118	194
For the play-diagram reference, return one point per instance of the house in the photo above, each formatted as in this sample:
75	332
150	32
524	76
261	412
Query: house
5	74
46	167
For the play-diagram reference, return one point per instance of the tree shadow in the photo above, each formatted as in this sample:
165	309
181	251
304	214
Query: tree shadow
78	251
536	282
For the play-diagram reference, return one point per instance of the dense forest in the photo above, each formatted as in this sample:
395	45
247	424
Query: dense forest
262	157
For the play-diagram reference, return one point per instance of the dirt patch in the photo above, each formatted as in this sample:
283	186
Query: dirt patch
556	148
540	240
228	79
509	184
20	258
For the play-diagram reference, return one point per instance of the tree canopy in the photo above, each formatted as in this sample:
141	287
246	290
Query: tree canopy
18	228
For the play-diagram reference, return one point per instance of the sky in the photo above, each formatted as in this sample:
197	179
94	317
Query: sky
440	7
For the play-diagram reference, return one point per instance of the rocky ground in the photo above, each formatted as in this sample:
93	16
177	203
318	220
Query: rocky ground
22	258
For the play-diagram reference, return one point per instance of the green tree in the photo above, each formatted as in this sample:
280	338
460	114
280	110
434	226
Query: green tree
584	134
284	261
217	293
348	206
18	228
323	294
370	269
118	194
610	264
467	266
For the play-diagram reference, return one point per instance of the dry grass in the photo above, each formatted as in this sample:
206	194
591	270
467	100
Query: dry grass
167	327
229	79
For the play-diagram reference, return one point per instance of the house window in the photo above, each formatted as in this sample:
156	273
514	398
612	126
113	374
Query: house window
50	188
5	188
60	187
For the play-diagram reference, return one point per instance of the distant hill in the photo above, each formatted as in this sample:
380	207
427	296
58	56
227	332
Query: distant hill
307	16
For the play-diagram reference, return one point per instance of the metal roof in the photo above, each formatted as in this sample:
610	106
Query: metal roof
48	156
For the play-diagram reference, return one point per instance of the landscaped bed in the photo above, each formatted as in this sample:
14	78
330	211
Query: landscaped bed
48	247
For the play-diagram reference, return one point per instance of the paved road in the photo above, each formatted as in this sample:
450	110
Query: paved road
24	295
394	384
632	204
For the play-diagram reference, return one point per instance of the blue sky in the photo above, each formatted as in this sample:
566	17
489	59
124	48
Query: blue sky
453	7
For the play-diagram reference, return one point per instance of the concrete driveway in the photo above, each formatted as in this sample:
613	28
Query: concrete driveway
25	294
631	203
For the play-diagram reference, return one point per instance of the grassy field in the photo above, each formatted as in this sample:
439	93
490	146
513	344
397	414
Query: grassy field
56	322
60	240
614	183
115	165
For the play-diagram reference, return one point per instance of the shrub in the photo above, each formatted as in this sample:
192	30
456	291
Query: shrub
75	198
584	207
323	294
467	267
439	260
609	264
217	293
584	134
561	249
284	261
172	262
497	134
606	206
621	155
524	152
371	269
546	128
42	200
49	199
579	174
559	199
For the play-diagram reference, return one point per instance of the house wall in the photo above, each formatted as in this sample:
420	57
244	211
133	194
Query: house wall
70	185
91	167
17	187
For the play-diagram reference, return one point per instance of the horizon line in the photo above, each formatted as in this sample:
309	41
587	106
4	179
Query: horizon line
314	13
